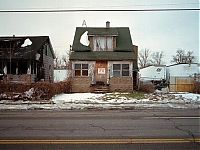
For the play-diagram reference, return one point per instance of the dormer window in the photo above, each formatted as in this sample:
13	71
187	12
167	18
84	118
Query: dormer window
103	43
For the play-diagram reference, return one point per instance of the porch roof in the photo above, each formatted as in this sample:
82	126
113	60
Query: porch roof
105	55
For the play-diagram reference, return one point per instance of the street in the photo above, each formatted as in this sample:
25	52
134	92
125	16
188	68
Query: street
110	129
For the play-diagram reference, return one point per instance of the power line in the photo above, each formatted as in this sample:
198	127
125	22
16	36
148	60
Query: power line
96	10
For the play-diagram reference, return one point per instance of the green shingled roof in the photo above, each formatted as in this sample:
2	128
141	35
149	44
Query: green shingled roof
96	55
124	42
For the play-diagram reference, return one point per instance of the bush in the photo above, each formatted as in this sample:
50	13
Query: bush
196	88
42	90
146	87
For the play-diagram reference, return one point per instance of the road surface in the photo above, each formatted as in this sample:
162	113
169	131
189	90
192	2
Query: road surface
114	129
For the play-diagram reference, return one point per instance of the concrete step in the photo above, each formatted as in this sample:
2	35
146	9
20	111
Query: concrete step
100	89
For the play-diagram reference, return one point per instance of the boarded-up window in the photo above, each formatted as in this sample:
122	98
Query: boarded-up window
120	70
102	43
81	69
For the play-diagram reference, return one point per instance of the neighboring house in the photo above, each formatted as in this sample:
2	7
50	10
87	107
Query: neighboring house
103	59
26	59
181	76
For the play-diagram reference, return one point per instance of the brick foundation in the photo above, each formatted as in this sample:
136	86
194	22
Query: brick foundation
124	84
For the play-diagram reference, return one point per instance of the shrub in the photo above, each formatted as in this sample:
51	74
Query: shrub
196	88
42	90
146	87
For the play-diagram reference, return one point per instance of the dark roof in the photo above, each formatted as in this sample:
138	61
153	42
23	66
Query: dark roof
103	31
123	37
24	52
104	55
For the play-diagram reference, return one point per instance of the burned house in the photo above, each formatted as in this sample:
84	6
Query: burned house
26	59
103	59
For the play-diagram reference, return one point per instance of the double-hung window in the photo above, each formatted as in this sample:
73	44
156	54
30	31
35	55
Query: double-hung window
120	70
81	69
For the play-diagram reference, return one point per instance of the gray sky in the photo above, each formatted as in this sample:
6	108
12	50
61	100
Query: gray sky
157	31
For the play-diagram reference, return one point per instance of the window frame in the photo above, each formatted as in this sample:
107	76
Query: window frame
120	70
83	70
100	40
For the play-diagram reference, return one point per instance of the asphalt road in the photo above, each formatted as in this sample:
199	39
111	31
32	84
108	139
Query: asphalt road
116	129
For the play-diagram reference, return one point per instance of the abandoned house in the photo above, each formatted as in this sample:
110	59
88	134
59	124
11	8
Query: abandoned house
103	59
26	59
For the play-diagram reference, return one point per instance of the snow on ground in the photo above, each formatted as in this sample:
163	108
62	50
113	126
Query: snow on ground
107	101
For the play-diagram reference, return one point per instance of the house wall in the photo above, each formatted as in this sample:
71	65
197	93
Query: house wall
48	68
120	84
81	84
123	84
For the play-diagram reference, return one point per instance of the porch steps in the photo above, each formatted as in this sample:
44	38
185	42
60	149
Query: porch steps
100	89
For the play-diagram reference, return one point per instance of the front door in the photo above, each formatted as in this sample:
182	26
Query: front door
101	71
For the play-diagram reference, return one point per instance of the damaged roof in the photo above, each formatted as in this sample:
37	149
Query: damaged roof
15	44
123	37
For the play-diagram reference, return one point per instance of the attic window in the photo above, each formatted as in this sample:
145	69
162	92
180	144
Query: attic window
103	43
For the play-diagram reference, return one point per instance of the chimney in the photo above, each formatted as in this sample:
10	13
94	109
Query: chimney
107	24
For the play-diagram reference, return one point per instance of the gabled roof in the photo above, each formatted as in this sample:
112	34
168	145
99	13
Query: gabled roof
123	37
23	52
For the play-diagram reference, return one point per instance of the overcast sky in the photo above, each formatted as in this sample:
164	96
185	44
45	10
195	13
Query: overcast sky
157	31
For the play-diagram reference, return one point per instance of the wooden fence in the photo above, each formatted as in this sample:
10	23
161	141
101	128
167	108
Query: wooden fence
181	84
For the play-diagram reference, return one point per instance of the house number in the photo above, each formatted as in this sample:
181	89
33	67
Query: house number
101	71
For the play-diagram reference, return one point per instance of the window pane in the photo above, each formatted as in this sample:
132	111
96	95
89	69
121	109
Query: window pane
125	73
116	73
77	72
77	66
84	72
84	66
116	66
125	66
110	43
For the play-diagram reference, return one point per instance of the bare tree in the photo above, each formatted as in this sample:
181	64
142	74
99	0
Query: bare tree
65	61
190	57
144	58
56	61
182	57
156	58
